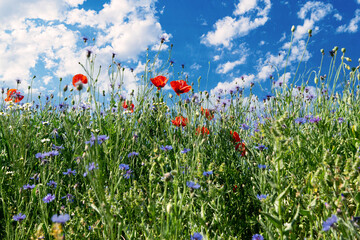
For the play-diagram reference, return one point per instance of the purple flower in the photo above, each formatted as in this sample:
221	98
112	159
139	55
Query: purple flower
245	127
257	237
262	166
185	150
57	147
28	186
166	148
49	198
133	154
329	223
52	183
69	172
261	196
69	197
315	120
192	185
92	166
60	219
124	166
102	138
196	236
127	175
19	217
52	153
340	120
207	173
40	156
300	120
261	147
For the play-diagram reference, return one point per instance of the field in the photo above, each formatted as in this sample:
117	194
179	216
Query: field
184	165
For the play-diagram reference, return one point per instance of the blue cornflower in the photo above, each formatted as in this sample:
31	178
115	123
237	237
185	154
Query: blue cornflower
124	166
185	150
257	237
329	223
52	183
102	138
69	197
166	148
40	156
19	217
261	196
245	126
60	219
300	120
57	147
261	147
196	236
207	173
127	175
91	167
49	198
28	186
262	166
192	185
91	141
340	120
69	172
52	153
133	154
315	120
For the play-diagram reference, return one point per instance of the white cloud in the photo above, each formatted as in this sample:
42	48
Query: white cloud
338	17
38	31
229	28
353	25
195	66
261	43
216	58
228	66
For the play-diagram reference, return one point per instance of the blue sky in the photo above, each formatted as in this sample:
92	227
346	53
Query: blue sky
221	41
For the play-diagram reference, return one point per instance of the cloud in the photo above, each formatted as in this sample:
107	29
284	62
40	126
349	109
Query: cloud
47	34
247	16
228	66
353	25
195	66
338	17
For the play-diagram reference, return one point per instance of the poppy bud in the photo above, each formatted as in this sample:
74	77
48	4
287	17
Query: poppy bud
322	51
104	93
65	88
79	86
316	80
293	28
335	48
310	32
29	87
72	102
170	96
343	50
88	90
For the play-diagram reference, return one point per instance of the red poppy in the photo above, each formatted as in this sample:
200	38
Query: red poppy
79	78
241	147
180	86
202	130
207	112
159	81
235	188
235	136
13	95
126	106
180	120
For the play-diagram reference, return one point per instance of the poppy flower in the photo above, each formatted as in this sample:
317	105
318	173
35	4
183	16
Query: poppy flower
180	121
235	136
126	106
207	113
180	86
14	95
159	81
241	147
79	78
202	130
235	188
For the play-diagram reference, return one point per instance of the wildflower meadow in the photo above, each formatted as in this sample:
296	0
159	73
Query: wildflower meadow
183	163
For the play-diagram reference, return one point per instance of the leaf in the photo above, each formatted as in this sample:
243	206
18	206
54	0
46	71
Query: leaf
274	220
357	197
279	198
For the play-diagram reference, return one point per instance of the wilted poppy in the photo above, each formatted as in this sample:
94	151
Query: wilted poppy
180	120
180	86
159	81
14	95
126	106
79	78
202	130
207	113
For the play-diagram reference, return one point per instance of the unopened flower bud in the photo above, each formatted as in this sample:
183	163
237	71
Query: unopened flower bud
335	48
310	32
343	50
79	87
322	51
293	28
65	88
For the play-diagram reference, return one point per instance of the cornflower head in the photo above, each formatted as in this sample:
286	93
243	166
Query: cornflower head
133	154
300	120
261	196
69	172
245	126
262	166
54	147
261	147
124	167
19	217
315	120
127	175
68	197
166	148
92	166
192	185
329	223
196	236
49	198
257	237
186	150
52	183
208	173
28	186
